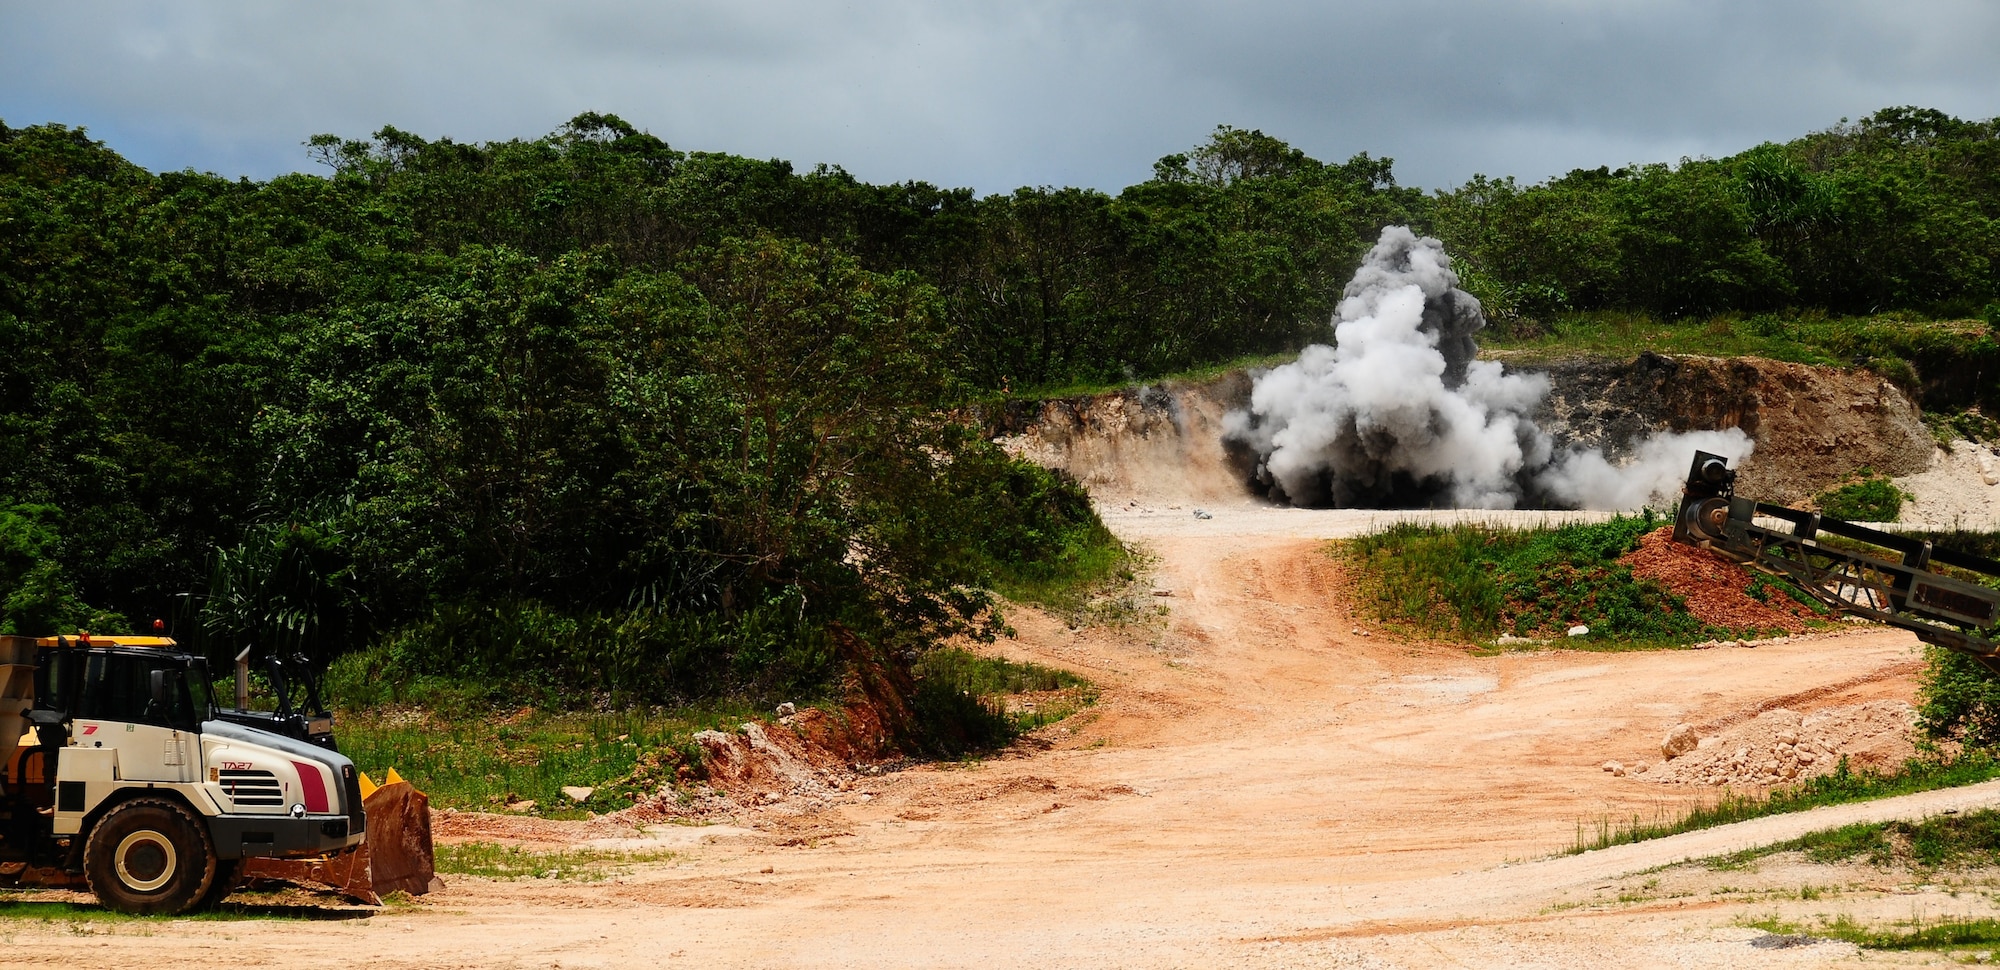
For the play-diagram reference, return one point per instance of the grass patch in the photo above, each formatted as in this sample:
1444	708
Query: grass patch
1838	787
1872	499
486	760
1916	934
966	703
491	861
84	918
1084	581
1968	841
1969	425
1479	582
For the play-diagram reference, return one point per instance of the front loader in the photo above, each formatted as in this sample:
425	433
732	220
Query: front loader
118	772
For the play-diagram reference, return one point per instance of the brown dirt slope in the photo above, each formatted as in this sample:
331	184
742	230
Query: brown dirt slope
1814	427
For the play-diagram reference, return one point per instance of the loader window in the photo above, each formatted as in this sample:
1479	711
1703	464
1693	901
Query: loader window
199	703
119	687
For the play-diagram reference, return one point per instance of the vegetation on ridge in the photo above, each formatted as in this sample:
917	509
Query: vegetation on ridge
592	417
1481	582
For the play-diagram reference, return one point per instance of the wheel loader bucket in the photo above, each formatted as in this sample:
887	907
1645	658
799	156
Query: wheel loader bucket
401	858
396	856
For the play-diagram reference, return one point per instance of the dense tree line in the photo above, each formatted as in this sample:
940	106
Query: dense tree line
316	412
679	422
1899	211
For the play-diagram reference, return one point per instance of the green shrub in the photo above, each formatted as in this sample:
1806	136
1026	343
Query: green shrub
1479	582
1959	700
775	650
1034	536
1873	499
960	705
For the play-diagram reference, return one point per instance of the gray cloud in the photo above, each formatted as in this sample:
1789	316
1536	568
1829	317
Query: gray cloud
995	95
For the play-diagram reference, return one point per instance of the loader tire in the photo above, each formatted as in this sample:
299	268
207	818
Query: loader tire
228	876
149	856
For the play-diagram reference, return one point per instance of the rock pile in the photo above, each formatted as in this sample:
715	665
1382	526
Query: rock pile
1782	746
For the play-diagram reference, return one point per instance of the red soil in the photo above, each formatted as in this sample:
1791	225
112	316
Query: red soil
1715	588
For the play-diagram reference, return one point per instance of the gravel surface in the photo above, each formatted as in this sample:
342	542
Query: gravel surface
1267	781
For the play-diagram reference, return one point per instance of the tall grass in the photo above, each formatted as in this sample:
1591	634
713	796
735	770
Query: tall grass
1840	786
488	761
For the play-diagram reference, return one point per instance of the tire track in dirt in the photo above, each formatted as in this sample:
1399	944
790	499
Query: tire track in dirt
1260	786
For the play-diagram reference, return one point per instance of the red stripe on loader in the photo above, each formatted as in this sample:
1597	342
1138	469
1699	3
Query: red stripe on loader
312	787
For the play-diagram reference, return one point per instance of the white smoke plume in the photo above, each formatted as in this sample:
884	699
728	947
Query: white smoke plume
1398	412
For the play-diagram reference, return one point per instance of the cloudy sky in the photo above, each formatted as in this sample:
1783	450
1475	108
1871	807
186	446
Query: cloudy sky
997	95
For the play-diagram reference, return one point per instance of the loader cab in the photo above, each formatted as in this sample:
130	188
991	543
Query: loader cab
142	696
63	700
140	684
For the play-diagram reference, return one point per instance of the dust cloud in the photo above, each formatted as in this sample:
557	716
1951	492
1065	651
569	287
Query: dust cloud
1400	413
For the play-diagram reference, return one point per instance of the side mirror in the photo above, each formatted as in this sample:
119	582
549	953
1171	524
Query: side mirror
51	725
160	688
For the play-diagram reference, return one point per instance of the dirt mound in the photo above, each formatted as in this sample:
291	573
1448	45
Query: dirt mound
805	760
1716	590
1783	745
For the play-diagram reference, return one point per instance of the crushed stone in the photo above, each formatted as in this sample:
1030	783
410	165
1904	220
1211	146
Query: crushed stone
1960	490
1781	746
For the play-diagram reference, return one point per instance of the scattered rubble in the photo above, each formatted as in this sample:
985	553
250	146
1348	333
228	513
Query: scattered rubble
1781	745
1679	741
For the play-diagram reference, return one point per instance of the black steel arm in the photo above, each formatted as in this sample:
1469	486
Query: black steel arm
1890	581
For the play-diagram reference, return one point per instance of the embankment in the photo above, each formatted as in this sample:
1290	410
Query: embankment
1814	426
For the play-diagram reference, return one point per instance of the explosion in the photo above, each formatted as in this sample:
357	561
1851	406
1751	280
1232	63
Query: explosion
1400	413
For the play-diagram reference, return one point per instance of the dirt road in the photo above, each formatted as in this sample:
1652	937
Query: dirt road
1261	785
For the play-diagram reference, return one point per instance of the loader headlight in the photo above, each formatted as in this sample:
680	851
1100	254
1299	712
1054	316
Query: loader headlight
298	811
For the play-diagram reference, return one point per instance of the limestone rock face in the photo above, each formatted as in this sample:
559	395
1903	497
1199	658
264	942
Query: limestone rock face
1814	426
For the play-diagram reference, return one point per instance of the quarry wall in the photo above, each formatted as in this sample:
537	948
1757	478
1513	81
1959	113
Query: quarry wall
1814	427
